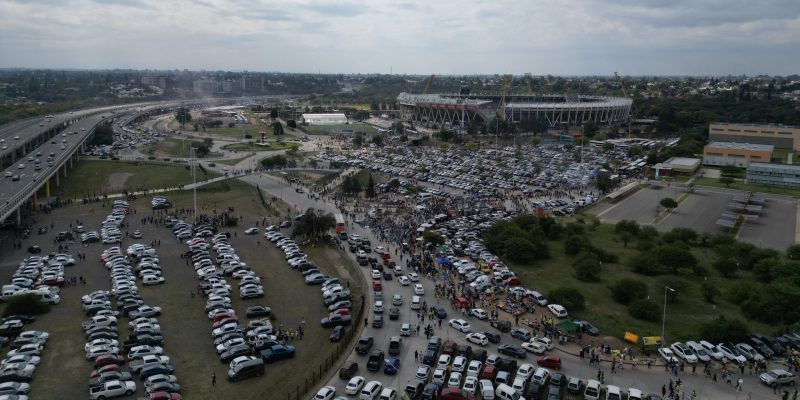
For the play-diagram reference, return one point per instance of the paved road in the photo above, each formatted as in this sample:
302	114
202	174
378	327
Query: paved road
642	378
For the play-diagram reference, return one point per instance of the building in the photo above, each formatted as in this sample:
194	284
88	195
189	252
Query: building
783	175
212	86
677	166
251	83
736	154
155	80
780	136
324	119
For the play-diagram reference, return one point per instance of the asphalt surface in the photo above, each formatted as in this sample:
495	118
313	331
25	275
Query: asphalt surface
649	380
641	206
699	211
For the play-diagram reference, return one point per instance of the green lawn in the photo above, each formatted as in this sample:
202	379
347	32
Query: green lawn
740	185
98	177
251	146
324	129
177	147
683	318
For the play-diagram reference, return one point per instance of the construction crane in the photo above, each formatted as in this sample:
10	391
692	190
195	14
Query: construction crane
428	84
625	93
528	79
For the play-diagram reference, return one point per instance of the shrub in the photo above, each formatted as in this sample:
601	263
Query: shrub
625	291
726	267
627	226
709	291
685	235
587	267
568	297
644	264
26	304
573	228
724	330
644	309
573	245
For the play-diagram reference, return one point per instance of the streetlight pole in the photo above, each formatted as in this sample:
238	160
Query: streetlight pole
194	183
664	319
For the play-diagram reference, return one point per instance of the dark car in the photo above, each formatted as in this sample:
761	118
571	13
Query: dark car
586	327
557	379
552	362
554	393
337	333
434	343
392	366
258	311
533	391
429	358
375	360
521	334
493	337
377	321
439	312
430	392
151	370
35	249
511	350
110	376
480	355
364	344
336	320
455	394
235	351
464	350
165	387
449	347
277	352
502	326
15	375
394	313
348	370
506	364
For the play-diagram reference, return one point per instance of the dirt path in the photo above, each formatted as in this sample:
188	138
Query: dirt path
116	181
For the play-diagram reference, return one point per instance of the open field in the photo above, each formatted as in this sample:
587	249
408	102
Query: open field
251	146
324	129
177	147
98	176
63	371
683	317
740	185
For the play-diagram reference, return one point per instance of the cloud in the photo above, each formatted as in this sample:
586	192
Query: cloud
409	36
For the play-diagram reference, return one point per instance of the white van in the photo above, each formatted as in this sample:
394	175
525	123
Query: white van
505	392
10	291
634	394
389	393
538	297
48	297
613	393
370	390
592	391
416	302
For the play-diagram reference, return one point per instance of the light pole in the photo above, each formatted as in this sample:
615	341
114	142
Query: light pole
664	319
194	182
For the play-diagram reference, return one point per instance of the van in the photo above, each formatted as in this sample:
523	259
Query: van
48	297
505	392
538	297
634	394
10	291
245	368
394	345
613	393
389	393
348	370
592	391
489	373
502	377
416	302
370	390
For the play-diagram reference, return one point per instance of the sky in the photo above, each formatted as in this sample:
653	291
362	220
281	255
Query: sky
558	37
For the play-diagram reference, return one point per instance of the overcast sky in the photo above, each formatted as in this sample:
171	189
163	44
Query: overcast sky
559	37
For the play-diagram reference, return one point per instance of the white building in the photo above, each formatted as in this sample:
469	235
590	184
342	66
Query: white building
324	119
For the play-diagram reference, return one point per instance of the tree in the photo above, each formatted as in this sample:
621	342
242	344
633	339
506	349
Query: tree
398	128
675	257
277	161
103	135
625	291
709	291
669	203
291	124
643	263
393	184
587	267
574	244
627	226
29	304
370	188
432	237
569	297
446	135
273	113
358	139
726	180
313	225
625	237
277	128
377	140
724	330
183	116
725	266
645	309
351	185
793	252
730	170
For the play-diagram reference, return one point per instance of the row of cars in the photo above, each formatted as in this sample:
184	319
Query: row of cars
39	276
246	349
19	364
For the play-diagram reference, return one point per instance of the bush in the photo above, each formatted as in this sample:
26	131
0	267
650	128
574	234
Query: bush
573	228
625	291
26	304
627	226
709	291
724	330
726	267
587	267
646	310
574	244
644	264
568	297
685	235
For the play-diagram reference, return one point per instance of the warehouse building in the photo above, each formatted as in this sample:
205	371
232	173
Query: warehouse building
779	136
774	175
677	166
324	119
736	154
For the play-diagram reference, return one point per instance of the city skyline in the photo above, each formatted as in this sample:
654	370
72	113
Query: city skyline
585	37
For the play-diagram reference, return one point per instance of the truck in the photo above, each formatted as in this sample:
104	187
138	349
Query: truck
113	388
138	365
341	231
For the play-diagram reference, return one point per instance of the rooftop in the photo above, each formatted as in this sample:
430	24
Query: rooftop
682	162
741	146
775	167
755	125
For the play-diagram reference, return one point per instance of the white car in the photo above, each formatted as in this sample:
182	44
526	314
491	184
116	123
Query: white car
325	393
444	361
376	274
534	347
478	338
404	281
558	310
667	355
424	372
455	380
413	277
419	289
479	313
487	389
470	384
460	325
525	371
438	376
474	368
684	352
548	344
354	385
251	231
459	363
712	350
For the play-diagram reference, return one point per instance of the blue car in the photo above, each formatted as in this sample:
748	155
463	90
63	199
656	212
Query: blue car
439	312
392	366
156	370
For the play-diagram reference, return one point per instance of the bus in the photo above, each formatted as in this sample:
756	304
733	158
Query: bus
340	229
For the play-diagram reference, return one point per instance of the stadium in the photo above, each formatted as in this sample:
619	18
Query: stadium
551	110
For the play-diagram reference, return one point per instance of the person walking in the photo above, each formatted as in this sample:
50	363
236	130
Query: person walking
213	379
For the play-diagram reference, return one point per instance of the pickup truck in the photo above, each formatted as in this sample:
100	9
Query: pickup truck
137	365
106	377
114	388
375	360
277	352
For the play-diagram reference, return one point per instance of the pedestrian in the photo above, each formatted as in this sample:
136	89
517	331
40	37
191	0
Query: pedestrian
739	385
714	378
213	379
366	322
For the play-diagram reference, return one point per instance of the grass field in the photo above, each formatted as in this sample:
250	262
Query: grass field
177	147
683	317
98	177
740	185
324	129
251	146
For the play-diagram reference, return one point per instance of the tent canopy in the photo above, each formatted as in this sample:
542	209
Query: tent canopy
568	325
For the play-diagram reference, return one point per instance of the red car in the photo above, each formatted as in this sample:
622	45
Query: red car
224	321
513	281
377	286
549	362
221	315
164	396
108	359
51	282
341	311
455	394
105	368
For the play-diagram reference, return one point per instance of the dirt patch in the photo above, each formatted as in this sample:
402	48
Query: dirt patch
116	181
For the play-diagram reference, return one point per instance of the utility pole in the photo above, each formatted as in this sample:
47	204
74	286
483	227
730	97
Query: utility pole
664	319
194	183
